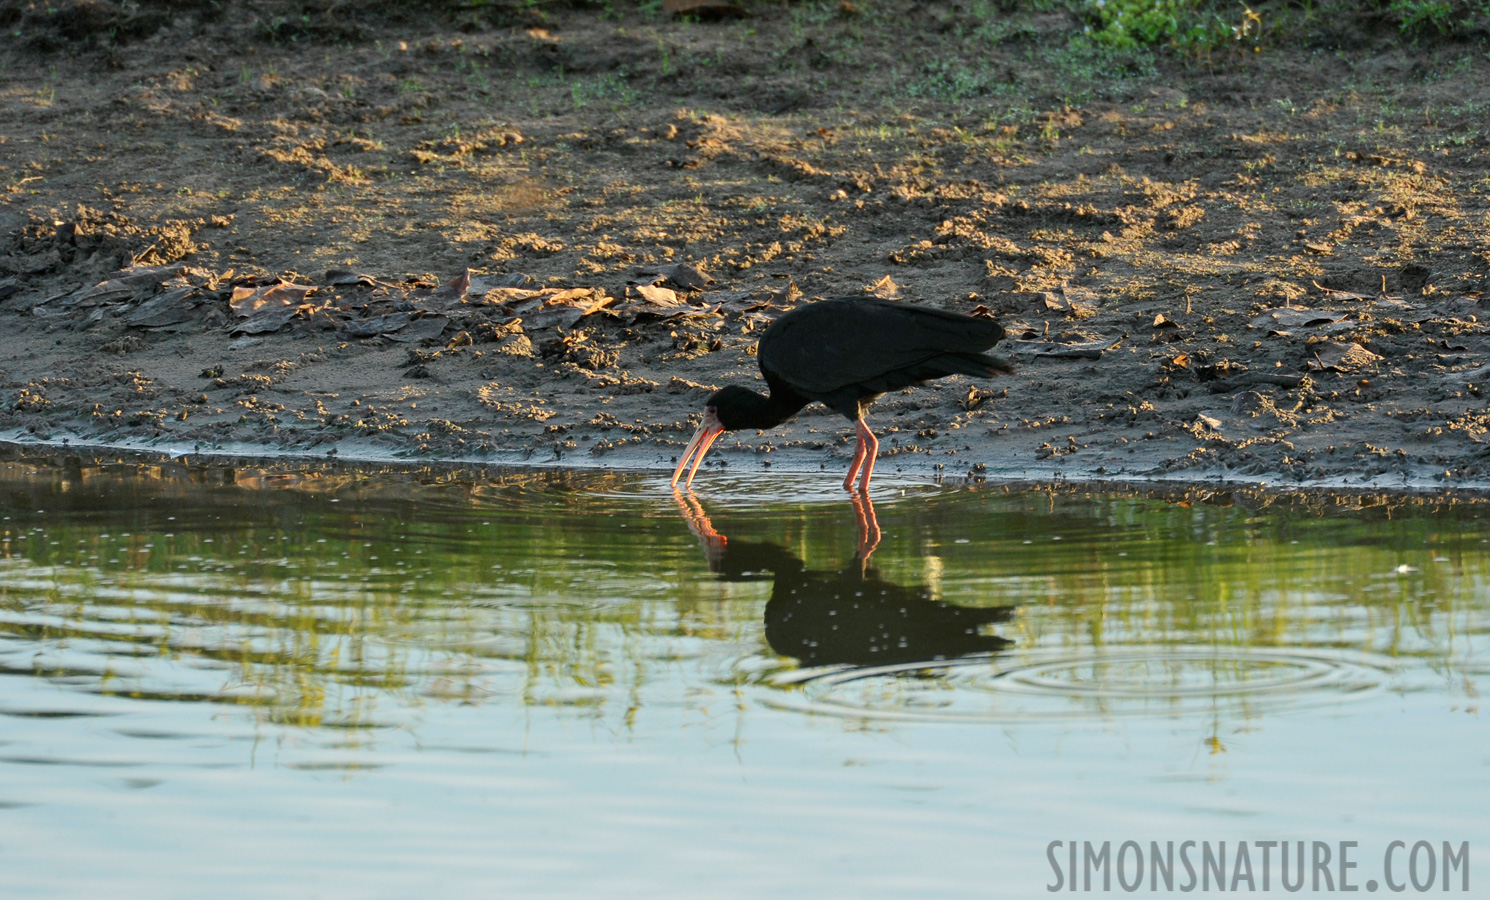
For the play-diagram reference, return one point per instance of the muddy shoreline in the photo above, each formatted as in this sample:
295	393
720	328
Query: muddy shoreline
545	242
801	474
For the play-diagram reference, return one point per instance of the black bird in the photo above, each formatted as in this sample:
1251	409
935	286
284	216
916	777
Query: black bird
852	616
845	353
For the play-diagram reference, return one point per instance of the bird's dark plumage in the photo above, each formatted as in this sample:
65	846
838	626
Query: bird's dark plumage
845	353
854	616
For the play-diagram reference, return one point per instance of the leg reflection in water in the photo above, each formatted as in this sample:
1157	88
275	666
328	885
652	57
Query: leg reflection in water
851	616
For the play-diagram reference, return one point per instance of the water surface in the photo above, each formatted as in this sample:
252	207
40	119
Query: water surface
234	680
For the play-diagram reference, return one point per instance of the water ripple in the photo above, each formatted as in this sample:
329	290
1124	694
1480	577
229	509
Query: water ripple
1125	680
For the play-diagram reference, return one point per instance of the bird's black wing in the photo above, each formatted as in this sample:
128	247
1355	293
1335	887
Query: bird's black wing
830	345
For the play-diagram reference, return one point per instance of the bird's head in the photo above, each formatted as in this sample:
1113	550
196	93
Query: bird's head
726	409
729	407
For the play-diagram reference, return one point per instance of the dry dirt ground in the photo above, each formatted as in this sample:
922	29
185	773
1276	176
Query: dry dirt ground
545	233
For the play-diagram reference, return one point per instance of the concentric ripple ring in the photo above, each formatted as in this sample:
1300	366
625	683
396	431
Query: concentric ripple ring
1057	685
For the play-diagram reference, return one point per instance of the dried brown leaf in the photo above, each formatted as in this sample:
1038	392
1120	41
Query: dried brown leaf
366	328
169	308
113	291
656	296
1064	350
343	277
451	292
1296	317
885	289
423	328
273	318
248	301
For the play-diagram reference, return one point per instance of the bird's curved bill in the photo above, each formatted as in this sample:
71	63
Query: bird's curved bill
698	447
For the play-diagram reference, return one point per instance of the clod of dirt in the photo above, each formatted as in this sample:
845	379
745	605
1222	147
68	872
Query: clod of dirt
124	345
172	242
1414	277
683	275
1219	370
1251	403
515	345
482	284
578	349
1074	302
975	398
704	10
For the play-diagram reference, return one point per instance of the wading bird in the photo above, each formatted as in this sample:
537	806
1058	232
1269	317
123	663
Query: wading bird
845	353
851	616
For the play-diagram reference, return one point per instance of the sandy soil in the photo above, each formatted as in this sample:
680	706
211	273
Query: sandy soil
545	234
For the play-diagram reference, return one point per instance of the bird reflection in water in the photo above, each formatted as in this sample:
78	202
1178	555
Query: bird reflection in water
851	616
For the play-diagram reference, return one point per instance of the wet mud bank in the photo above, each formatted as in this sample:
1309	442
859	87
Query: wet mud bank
729	479
484	236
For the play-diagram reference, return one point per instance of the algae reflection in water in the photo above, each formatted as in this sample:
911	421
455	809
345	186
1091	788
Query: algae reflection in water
551	681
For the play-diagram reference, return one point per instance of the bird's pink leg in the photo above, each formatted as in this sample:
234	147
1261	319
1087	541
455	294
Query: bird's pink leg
869	526
869	446
698	523
864	453
853	467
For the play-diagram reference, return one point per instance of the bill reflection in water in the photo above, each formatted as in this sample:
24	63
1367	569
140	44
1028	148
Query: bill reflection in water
851	616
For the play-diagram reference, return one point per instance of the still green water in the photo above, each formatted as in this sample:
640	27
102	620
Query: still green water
255	681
